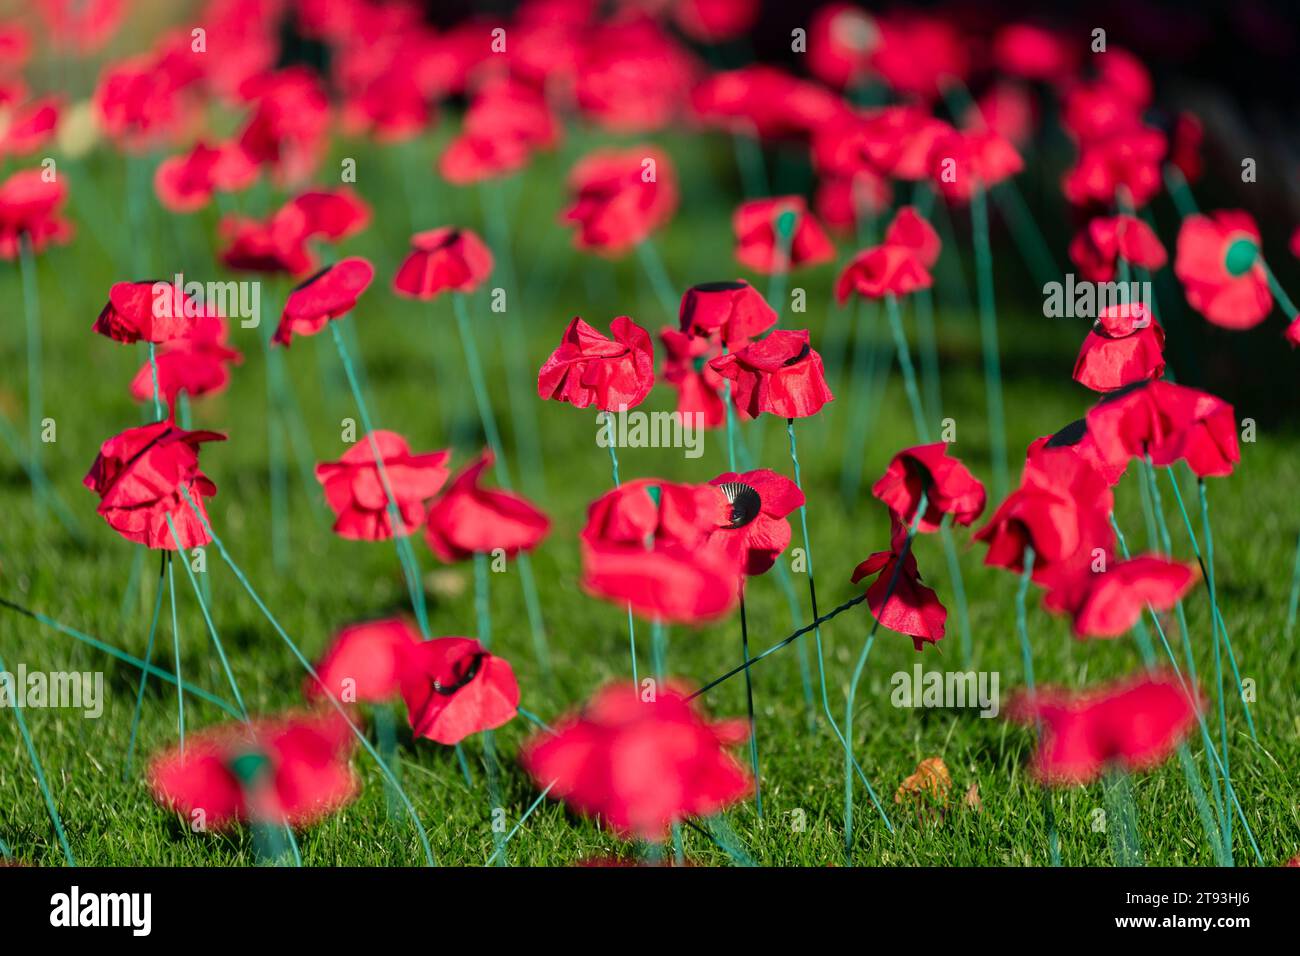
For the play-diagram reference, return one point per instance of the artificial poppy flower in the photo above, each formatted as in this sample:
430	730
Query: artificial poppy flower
733	310
755	529
1166	422
898	141
779	234
844	202
1033	52
686	370
196	363
441	260
1126	345
468	519
27	127
15	46
389	106
328	294
1092	112
288	127
358	493
1218	262
589	369
620	197
781	375
1006	108
713	21
186	182
918	54
365	662
1185	145
1076	438
841	38
290	770
1118	595
667	582
454	688
1130	160
331	214
506	122
966	160
1131	725
908	230
648	511
640	766
148	481
632	76
277	244
149	311
948	486
881	271
83	25
137	103
1062	510
30	207
897	598
1097	247
765	102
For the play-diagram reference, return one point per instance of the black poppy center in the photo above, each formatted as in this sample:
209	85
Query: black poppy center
803	354
745	503
724	285
310	279
464	671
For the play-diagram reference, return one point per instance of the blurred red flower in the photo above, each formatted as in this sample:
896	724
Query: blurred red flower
364	662
468	519
1167	422
454	688
620	197
328	294
30	207
1126	345
778	234
948	485
1218	262
1096	247
355	488
686	370
1118	596
441	260
196	363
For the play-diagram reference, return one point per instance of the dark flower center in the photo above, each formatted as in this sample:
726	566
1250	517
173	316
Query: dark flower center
745	503
726	285
803	354
468	668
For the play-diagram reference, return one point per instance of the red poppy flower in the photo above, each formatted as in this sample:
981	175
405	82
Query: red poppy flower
196	363
1185	145
1133	725
631	75
712	21
1167	422
186	182
841	38
881	271
908	230
1219	264
735	311
640	766
755	529
1118	596
1076	438
505	123
1033	53
289	126
454	688
443	259
898	141
1105	239
1126	345
589	369
778	234
648	511
686	369
843	202
1130	159
918	54
331	214
765	102
897	598
276	244
620	197
781	375
328	294
666	583
1094	111
147	311
138	104
289	770
965	160
1008	109
467	519
948	485
84	25
365	662
355	492
30	209
144	476
29	126
1062	510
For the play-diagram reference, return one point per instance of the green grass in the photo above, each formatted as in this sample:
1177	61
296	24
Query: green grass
418	387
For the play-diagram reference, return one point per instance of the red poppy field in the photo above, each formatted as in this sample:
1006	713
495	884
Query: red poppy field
602	434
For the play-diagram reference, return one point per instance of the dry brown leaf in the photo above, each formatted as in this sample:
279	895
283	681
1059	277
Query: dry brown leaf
930	783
